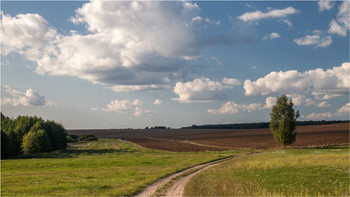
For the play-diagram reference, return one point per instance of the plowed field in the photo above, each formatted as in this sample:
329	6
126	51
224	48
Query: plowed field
184	140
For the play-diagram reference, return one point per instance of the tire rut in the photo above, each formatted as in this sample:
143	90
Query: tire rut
177	188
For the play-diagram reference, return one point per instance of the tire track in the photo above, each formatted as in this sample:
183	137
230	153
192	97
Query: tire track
177	188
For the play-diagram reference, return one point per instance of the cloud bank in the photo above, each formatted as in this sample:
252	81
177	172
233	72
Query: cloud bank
323	83
128	45
203	90
28	98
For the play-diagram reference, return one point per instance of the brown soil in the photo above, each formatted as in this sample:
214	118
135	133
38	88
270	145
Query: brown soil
184	140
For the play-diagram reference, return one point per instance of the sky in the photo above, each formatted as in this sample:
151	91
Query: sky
132	64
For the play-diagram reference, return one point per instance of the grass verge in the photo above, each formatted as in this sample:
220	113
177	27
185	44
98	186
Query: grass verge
103	168
302	172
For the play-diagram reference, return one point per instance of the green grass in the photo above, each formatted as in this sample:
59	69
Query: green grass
105	167
303	172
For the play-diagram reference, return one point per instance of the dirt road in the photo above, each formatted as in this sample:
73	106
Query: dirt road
177	188
151	190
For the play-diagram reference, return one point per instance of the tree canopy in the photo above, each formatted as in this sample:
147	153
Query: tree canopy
283	121
30	134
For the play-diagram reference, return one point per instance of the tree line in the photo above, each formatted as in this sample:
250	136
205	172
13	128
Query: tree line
260	125
27	135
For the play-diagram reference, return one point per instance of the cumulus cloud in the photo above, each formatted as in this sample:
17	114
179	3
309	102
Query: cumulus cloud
276	13
315	40
341	25
319	116
120	106
270	102
343	111
203	89
325	5
28	98
231	107
128	45
324	83
143	112
272	36
231	81
158	102
126	106
25	32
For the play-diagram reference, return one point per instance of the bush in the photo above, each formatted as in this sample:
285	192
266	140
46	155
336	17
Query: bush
71	138
87	137
36	142
57	135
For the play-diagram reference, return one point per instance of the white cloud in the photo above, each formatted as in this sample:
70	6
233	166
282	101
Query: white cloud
158	102
212	22
325	5
128	46
341	25
126	106
290	24
143	112
330	82
343	111
120	106
270	102
197	19
232	108
133	88
316	40
231	81
271	36
203	89
25	32
277	13
215	60
28	98
323	104
319	116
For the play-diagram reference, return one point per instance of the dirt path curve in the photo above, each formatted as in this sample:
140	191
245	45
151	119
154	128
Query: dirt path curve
150	190
177	188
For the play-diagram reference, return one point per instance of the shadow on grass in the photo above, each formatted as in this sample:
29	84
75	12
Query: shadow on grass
71	153
342	147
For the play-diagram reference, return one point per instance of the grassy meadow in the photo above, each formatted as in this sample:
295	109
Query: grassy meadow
106	167
298	172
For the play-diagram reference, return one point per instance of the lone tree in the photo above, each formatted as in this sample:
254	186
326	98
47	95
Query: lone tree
283	121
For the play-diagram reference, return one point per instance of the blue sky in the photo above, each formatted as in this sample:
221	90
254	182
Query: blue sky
110	64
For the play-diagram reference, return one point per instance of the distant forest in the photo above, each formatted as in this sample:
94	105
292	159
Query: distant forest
260	125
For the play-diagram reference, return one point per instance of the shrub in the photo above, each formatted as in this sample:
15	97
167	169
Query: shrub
87	137
57	135
36	142
71	138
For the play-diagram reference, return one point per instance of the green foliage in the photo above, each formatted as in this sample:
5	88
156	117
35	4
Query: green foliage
4	145
16	129
57	134
71	138
283	121
36	142
87	137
